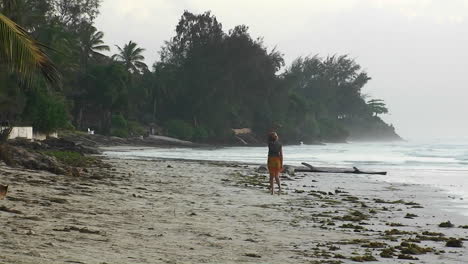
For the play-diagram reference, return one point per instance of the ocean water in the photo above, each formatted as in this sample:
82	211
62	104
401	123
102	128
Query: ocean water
438	163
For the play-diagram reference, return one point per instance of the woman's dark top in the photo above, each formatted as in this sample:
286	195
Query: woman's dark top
274	149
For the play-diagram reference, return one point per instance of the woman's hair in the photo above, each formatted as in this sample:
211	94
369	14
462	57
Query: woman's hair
272	137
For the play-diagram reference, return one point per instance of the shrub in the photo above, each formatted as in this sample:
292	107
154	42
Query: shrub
200	134
46	112
122	133
119	126
135	129
179	129
119	121
70	158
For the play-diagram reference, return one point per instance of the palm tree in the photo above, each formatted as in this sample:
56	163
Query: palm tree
92	44
24	55
132	57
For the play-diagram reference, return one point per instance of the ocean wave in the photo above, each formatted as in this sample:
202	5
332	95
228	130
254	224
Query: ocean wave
371	162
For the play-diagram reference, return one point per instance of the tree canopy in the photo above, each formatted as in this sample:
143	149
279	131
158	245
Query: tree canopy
206	82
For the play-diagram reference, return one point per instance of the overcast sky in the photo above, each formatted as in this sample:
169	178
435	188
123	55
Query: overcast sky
416	51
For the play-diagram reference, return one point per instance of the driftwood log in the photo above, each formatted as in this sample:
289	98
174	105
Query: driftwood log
355	170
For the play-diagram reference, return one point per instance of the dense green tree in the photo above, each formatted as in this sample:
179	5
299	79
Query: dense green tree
45	111
377	106
221	80
207	80
73	13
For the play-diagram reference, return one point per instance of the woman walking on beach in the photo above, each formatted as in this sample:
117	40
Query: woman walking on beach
275	161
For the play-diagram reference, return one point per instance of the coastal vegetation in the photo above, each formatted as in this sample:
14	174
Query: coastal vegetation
207	81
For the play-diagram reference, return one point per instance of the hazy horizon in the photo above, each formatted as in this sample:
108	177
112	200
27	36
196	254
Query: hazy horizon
413	50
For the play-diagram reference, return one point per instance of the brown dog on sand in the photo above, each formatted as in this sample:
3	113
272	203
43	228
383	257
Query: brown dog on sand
3	191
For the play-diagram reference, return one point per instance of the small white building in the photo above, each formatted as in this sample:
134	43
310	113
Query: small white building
28	133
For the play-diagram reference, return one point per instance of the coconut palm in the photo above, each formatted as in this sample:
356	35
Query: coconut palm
22	54
132	57
92	44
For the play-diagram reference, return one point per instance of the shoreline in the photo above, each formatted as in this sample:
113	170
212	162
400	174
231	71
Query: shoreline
452	194
174	211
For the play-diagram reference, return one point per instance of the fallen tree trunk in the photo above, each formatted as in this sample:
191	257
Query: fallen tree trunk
355	170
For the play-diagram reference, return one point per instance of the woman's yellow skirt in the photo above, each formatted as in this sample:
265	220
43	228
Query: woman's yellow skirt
274	164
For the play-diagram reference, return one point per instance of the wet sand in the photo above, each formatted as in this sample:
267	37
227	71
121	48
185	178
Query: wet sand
163	211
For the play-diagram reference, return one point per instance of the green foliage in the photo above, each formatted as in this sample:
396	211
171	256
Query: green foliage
119	126
179	129
135	129
332	131
23	54
46	112
70	158
377	106
207	81
200	134
119	122
131	56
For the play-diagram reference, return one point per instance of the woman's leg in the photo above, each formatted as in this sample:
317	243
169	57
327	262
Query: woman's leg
272	186
277	178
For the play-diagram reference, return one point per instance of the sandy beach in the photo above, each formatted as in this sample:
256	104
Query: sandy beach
167	211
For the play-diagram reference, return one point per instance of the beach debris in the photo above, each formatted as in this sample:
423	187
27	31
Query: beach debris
3	191
387	252
431	236
310	168
252	255
410	216
394	231
10	210
454	242
364	258
394	224
447	224
262	169
354	216
375	244
413	249
78	229
357	228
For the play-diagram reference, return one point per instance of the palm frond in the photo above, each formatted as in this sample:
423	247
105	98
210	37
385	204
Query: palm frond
140	65
118	57
96	54
101	47
23	54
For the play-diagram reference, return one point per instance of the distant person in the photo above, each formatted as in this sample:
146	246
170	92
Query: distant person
275	161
